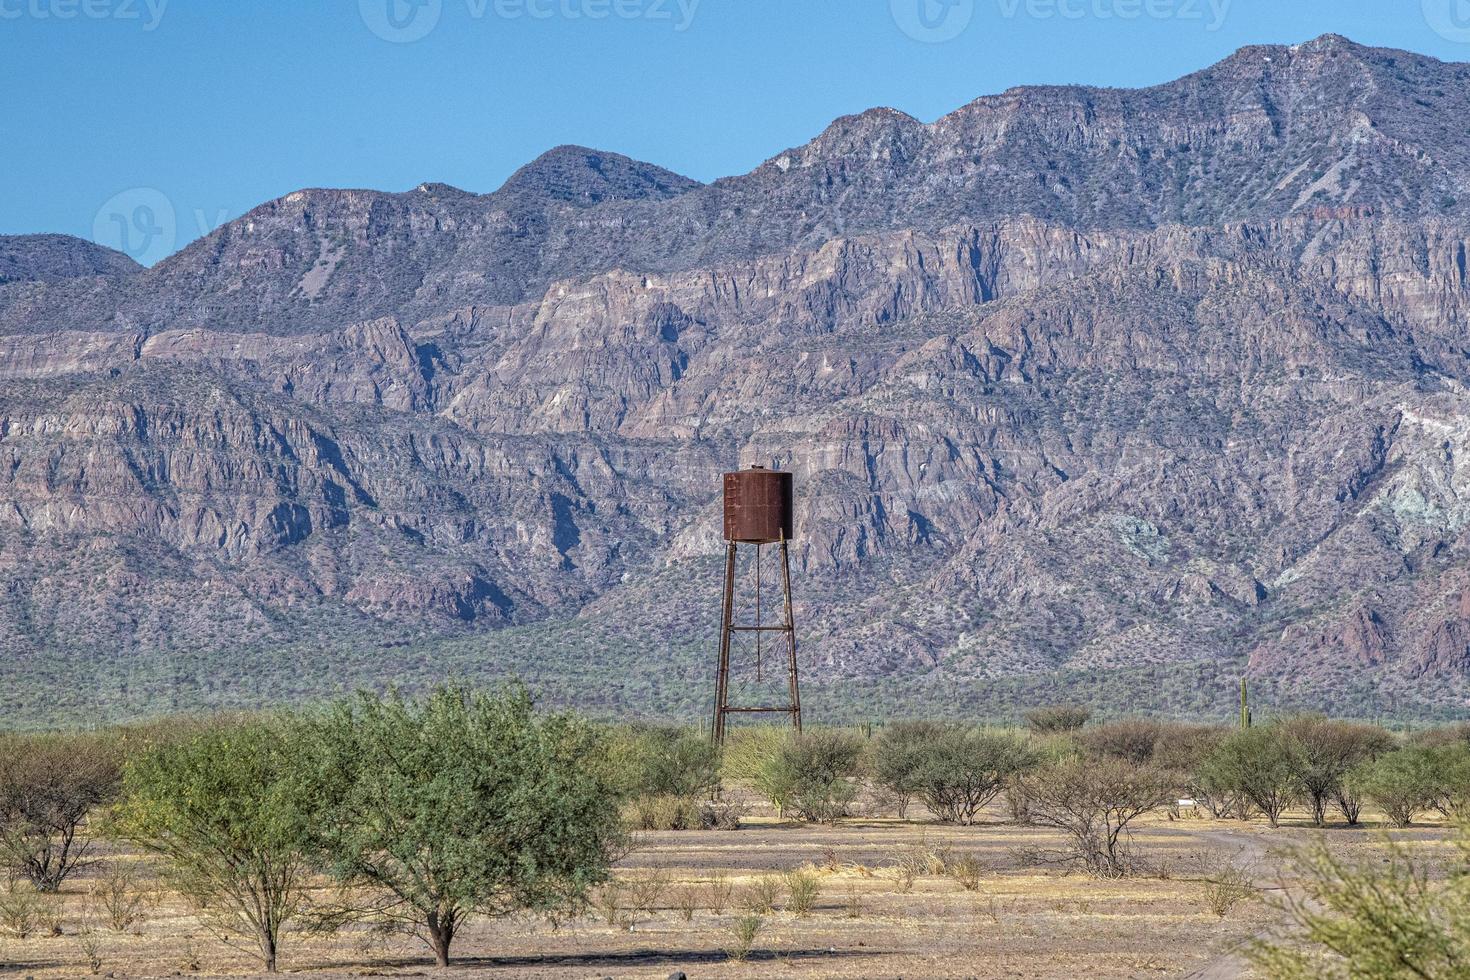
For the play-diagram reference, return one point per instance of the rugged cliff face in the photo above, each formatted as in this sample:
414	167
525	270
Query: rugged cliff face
1078	384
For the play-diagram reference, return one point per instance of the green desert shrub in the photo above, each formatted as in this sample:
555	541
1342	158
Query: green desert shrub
811	775
670	762
224	811
1255	764
898	758
749	749
1323	752
464	803
803	888
742	937
963	769
1380	918
1402	783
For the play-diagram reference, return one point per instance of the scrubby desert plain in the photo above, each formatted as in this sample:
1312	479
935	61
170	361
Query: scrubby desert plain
870	919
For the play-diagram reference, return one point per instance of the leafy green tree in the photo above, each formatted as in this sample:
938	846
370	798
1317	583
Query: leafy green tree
222	809
49	785
1402	783
963	769
465	803
1257	764
1392	919
1323	752
899	753
1452	766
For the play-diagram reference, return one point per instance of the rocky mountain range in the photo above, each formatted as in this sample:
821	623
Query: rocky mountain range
1095	394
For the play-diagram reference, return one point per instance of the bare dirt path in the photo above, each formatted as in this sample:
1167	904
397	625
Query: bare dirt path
1251	848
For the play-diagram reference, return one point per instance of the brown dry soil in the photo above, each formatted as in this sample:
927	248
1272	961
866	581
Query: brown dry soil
1020	922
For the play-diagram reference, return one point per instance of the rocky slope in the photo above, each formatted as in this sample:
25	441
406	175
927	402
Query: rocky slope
54	258
1079	385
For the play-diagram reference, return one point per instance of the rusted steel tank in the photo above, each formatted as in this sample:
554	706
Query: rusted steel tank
758	506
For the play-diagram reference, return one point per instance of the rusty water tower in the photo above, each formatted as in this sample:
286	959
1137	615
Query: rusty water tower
758	511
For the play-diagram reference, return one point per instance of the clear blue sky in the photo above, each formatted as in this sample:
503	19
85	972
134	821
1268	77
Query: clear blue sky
220	105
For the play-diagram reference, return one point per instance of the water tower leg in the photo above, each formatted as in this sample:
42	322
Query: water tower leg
722	677
790	637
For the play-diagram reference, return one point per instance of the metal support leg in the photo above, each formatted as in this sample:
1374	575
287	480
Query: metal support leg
722	677
791	637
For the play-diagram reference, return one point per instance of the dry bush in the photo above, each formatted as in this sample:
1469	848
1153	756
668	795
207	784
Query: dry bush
992	908
1057	719
760	896
50	914
1018	804
686	902
1130	739
89	944
49	784
117	899
646	892
717	892
662	813
1225	885
803	889
189	960
923	860
719	815
608	900
1093	801
854	905
968	870
742	937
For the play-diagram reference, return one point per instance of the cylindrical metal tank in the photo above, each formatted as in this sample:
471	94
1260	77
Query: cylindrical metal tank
758	506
